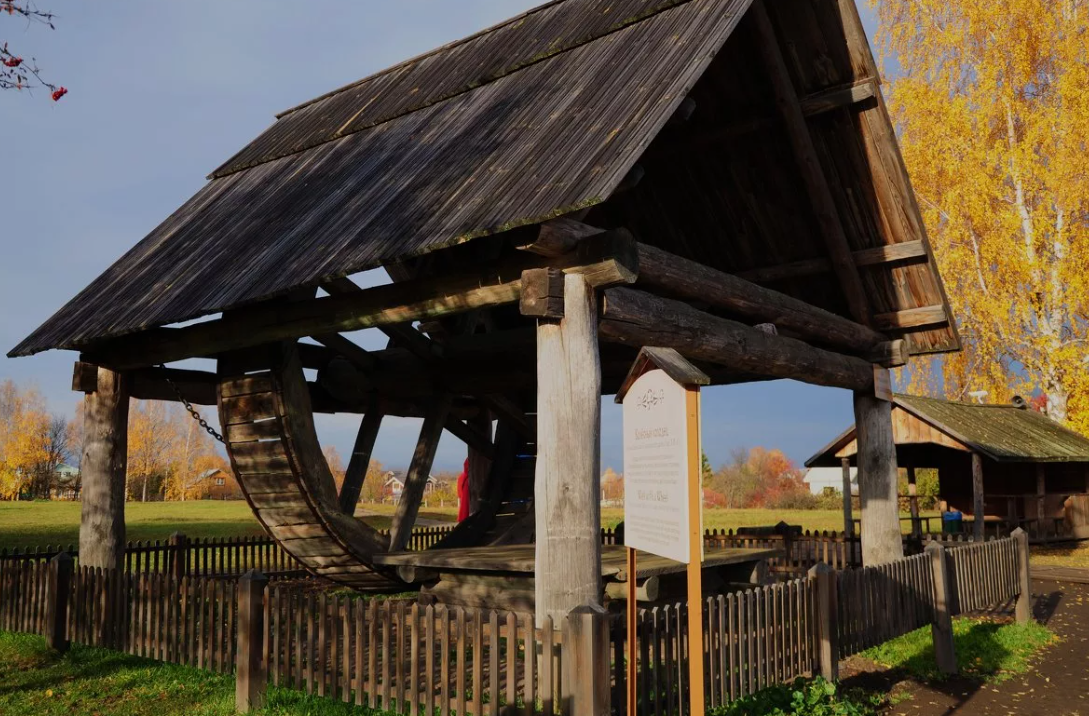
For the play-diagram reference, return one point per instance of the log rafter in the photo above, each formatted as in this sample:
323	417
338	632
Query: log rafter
605	260
809	165
859	94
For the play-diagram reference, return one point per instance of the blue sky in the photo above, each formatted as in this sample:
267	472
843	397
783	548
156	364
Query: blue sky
162	92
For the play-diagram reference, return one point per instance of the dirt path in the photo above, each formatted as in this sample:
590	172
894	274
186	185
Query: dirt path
1058	685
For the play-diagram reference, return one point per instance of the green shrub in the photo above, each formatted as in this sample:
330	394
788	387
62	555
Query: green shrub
804	697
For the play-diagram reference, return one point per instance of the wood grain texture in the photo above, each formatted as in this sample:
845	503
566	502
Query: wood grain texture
566	491
877	481
636	318
693	281
105	456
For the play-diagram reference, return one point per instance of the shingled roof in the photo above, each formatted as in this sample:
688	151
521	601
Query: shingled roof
539	116
1004	433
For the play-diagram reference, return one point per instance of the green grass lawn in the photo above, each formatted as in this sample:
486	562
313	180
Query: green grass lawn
40	523
37	682
986	650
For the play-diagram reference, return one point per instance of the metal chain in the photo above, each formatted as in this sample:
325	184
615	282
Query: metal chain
193	411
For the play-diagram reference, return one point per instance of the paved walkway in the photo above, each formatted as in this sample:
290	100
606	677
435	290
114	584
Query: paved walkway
1058	685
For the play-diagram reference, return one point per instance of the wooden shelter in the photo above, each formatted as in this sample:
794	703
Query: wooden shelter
1007	463
548	196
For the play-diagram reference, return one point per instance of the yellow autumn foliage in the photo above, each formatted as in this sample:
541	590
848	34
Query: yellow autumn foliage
991	103
23	422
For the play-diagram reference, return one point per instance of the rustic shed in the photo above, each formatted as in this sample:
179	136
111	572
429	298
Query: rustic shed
548	196
1009	463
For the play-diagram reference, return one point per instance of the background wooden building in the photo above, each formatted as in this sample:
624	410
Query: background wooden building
1008	462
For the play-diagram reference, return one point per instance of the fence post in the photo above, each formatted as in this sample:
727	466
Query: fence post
942	628
60	583
585	660
1023	610
827	626
250	677
179	556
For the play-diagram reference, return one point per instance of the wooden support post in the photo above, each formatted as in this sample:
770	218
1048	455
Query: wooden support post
942	628
1041	492
848	518
105	451
632	633
568	474
250	676
360	460
977	497
479	463
697	705
60	586
585	658
1023	610
179	556
419	471
827	628
913	501
877	481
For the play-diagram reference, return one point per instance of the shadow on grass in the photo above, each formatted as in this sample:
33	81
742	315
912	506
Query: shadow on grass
27	665
987	652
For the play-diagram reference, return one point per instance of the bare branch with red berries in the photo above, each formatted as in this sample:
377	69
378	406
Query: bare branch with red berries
16	72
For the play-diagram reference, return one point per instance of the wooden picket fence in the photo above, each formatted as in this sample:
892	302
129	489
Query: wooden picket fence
983	574
399	656
403	657
876	604
208	556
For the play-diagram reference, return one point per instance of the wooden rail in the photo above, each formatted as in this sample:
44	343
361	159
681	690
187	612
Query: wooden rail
400	656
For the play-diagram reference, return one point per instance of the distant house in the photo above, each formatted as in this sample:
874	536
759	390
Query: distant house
395	483
66	483
818	478
215	484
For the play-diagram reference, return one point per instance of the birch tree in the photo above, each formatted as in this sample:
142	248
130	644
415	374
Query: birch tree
991	102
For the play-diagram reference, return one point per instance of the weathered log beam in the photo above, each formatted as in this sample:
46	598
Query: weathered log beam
360	460
604	260
912	318
902	254
856	94
693	281
419	470
433	355
637	318
559	236
473	438
809	165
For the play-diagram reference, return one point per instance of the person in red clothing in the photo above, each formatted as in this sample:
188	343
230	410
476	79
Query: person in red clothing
463	492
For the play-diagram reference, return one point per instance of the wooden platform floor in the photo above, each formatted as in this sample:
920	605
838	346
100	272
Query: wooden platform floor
519	559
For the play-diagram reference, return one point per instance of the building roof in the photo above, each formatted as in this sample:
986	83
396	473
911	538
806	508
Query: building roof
1004	433
539	116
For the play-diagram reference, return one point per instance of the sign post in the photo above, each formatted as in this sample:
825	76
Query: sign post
662	491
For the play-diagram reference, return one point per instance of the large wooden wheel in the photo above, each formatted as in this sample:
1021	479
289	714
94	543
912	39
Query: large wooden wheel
268	428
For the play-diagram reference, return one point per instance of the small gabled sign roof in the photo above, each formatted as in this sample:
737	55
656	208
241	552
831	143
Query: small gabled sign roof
669	360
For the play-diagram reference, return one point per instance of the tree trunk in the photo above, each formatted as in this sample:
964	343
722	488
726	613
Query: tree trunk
567	485
877	478
102	518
